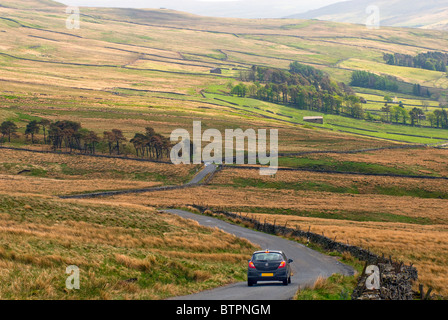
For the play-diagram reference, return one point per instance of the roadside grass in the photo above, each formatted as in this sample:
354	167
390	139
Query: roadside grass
336	287
304	203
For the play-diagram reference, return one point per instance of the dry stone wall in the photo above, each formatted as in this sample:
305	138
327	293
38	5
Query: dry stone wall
395	279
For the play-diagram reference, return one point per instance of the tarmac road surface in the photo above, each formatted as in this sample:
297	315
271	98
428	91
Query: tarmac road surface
308	265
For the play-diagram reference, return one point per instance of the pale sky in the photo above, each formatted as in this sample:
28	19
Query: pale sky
218	8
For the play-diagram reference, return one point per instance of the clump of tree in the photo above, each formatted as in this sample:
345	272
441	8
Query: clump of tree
308	88
438	118
420	91
65	133
397	114
435	61
151	144
416	114
302	86
239	90
70	136
114	140
8	129
32	128
297	75
370	80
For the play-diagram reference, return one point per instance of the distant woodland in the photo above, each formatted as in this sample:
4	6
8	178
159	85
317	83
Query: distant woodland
302	86
436	61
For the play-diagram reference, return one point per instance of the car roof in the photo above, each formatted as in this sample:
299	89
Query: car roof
268	251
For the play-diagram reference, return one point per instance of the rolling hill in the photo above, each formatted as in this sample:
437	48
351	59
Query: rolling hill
218	8
432	14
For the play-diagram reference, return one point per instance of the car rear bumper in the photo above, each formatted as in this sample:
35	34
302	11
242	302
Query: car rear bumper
278	275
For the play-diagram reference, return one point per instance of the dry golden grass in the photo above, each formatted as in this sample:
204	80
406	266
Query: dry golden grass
55	164
326	203
320	283
134	263
426	161
54	174
49	186
359	183
111	244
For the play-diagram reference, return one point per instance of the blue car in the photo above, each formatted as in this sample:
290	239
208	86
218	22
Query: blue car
269	265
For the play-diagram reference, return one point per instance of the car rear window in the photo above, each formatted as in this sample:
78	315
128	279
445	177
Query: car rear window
271	256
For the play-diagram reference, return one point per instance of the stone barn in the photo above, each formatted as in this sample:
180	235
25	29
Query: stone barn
316	119
216	70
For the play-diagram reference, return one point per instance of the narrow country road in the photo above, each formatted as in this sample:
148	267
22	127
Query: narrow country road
195	181
308	264
208	168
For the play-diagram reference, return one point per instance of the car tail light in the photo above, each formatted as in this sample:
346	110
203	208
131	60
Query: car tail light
282	264
251	265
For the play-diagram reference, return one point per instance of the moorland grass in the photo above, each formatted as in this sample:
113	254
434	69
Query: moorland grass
112	245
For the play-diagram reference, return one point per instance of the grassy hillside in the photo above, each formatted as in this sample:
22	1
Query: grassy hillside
136	59
123	251
427	15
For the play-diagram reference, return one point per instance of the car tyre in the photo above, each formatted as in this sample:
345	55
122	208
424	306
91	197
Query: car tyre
250	283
